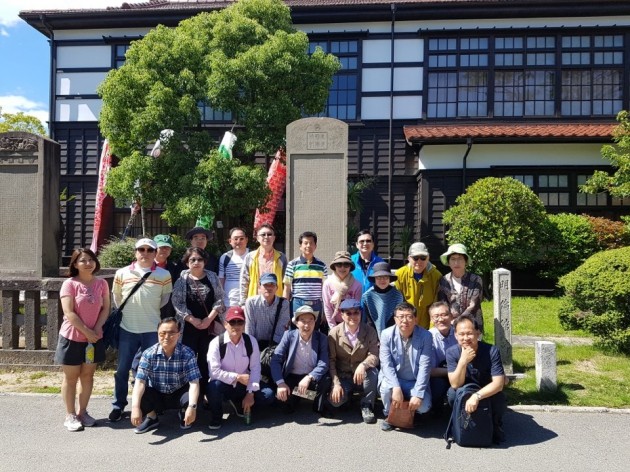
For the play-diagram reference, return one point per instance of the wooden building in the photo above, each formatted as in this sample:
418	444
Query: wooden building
436	93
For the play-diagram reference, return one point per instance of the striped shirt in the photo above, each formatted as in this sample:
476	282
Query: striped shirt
168	374
142	312
306	279
231	272
259	318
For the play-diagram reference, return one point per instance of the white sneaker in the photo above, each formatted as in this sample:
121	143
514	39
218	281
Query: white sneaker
72	423
86	420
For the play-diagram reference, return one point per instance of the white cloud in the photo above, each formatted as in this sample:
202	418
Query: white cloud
9	9
17	103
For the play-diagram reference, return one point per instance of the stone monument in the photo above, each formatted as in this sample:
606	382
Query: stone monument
502	293
317	185
30	226
546	367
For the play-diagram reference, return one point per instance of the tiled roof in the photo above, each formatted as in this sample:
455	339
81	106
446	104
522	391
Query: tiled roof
508	131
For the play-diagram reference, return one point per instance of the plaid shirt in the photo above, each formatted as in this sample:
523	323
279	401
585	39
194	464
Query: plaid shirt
168	374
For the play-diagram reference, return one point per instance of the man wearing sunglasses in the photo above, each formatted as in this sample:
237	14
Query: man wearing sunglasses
365	258
419	281
234	365
140	315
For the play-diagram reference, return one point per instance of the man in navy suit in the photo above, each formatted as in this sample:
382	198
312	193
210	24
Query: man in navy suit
405	356
299	365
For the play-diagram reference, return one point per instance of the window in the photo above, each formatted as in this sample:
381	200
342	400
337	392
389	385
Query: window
209	114
343	94
464	91
119	54
587	199
525	76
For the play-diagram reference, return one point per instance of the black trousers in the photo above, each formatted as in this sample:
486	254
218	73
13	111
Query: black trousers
154	400
199	340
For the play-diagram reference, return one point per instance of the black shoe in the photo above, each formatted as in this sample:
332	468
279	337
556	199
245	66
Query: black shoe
368	415
498	436
215	424
115	415
147	425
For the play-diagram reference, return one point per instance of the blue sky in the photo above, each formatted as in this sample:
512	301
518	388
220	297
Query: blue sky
25	55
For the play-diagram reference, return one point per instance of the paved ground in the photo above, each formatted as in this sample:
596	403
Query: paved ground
32	437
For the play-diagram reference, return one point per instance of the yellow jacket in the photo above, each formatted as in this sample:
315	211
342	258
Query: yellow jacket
419	293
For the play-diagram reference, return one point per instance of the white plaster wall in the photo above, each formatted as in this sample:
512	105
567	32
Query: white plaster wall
408	50
376	50
483	156
414	26
78	83
99	33
375	80
407	107
375	108
78	110
84	56
407	78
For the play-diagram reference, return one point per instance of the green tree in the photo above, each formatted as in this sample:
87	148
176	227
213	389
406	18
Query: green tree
501	222
21	122
618	154
247	60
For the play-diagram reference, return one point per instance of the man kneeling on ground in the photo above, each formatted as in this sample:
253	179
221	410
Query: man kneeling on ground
234	365
473	361
353	353
167	378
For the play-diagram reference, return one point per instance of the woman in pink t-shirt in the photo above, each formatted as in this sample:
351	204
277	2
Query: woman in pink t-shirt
85	301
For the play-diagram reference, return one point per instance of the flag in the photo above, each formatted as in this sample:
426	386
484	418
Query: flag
103	204
276	180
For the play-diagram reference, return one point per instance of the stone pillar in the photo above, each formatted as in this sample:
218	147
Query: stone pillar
10	328
317	185
32	320
546	370
502	293
29	214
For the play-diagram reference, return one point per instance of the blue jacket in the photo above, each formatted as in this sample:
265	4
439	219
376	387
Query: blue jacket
358	272
391	353
284	355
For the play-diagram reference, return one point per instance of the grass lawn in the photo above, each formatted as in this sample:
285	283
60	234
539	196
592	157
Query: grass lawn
586	375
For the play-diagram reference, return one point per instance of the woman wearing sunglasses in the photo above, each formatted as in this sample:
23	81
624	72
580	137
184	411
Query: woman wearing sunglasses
419	281
339	286
198	301
462	290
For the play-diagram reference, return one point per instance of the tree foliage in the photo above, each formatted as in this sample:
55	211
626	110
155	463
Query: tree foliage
247	60
618	154
21	122
596	298
570	240
501	222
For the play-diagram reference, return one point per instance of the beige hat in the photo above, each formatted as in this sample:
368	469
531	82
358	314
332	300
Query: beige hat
303	310
340	257
455	249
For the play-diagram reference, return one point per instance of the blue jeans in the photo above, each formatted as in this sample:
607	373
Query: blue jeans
217	391
406	386
439	387
127	348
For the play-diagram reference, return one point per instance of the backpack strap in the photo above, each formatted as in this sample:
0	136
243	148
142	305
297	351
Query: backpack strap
133	290
227	259
249	348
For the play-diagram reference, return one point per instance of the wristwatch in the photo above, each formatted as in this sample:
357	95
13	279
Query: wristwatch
478	396
193	406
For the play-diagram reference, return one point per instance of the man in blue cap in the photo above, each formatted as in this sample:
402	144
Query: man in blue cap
353	353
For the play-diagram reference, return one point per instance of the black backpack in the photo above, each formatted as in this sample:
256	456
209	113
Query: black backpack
469	430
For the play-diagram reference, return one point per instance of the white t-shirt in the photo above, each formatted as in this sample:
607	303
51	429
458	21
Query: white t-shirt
231	273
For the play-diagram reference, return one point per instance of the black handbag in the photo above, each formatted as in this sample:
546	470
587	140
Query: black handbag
111	328
267	353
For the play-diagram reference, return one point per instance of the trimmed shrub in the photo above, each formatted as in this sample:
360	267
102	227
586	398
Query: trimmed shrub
610	234
501	222
117	253
597	299
570	240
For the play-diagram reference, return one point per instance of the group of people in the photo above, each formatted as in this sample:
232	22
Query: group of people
252	328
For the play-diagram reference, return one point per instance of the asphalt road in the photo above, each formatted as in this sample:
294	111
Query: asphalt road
32	437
